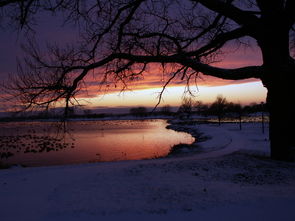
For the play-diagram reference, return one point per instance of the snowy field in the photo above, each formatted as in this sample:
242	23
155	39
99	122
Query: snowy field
232	179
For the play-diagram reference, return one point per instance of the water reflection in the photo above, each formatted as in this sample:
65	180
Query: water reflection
36	144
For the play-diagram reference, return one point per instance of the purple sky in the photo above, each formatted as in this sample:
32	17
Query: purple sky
49	29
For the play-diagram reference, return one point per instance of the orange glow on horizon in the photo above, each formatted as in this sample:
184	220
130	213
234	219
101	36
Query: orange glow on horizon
145	91
154	78
244	93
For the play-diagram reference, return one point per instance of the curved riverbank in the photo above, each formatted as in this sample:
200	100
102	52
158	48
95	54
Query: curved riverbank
216	140
190	128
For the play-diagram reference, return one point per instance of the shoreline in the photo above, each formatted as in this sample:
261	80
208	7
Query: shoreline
178	150
187	127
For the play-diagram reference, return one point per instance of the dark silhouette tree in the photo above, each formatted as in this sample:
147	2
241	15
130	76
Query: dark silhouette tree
218	107
186	107
122	37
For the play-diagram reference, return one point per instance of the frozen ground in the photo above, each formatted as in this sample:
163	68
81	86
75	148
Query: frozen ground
233	181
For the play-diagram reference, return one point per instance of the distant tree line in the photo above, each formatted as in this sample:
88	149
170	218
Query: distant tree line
219	108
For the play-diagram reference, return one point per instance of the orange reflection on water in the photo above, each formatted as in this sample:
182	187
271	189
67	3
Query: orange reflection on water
95	141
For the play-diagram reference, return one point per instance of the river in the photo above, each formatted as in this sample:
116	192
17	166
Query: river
46	143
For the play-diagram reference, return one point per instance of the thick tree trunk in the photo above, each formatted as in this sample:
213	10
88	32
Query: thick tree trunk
280	82
280	102
279	79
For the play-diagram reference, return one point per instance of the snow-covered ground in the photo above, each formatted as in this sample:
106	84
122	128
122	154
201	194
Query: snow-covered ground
233	181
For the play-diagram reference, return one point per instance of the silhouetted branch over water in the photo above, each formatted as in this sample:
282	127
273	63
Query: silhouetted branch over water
120	40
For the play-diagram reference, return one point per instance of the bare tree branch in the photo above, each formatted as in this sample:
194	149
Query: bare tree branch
231	74
121	35
227	9
218	42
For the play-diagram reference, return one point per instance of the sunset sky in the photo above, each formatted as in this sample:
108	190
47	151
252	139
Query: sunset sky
145	91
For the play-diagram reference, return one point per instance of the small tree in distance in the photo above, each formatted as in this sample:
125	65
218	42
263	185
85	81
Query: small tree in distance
218	107
186	107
